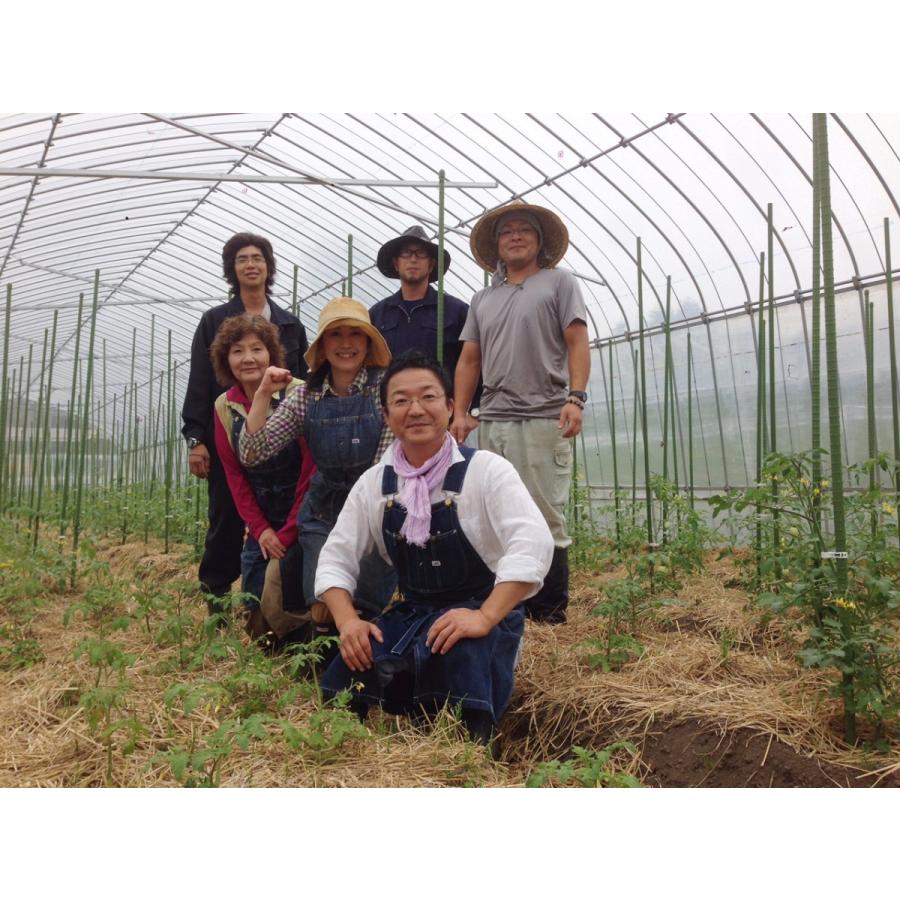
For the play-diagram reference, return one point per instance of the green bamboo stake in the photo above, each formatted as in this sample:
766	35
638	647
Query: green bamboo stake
644	395
36	440
57	462
895	403
815	376
129	438
691	388
130	432
149	436
196	488
178	459
4	401
667	371
152	361
611	406
440	266
634	425
69	424
45	431
6	463
760	408
773	443
674	420
820	148
114	452
573	488
14	468
108	470
88	385
25	419
156	433
170	418
870	398
349	284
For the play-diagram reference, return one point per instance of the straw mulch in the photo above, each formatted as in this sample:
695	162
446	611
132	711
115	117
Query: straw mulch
707	660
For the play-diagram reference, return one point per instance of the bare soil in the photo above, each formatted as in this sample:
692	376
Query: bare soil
717	699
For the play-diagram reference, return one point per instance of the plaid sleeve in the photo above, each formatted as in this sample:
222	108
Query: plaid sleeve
387	436
282	427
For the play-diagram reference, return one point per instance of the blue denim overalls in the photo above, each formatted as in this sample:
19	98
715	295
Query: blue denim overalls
274	484
343	435
478	672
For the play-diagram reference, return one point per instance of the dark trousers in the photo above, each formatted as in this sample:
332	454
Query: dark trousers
549	604
220	566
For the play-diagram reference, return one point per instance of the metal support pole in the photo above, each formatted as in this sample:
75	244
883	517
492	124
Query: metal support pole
348	290
440	265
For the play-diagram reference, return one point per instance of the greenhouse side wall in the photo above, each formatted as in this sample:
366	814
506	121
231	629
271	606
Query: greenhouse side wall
724	408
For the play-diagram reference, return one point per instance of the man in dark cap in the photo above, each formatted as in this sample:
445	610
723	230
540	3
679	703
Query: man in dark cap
248	265
408	319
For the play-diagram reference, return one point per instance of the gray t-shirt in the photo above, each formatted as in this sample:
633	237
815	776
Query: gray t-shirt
524	360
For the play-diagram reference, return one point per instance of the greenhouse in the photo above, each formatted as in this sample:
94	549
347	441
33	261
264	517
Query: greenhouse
733	488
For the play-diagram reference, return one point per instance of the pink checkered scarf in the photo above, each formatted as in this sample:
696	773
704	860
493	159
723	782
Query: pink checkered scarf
416	493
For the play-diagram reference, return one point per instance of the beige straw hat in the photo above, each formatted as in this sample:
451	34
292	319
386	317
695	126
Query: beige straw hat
347	311
553	248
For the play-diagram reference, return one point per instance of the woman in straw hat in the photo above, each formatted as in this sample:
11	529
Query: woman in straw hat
337	411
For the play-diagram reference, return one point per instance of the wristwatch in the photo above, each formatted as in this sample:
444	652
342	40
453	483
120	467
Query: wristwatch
580	395
193	442
474	412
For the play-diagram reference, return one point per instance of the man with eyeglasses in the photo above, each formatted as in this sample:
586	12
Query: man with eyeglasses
408	319
526	336
468	545
248	265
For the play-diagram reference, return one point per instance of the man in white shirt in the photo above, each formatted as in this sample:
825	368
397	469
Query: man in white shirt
468	544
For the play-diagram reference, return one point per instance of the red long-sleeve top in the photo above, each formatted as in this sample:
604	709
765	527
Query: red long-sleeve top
239	485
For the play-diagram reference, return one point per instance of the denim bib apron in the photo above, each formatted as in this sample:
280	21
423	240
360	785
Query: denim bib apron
273	482
447	573
342	434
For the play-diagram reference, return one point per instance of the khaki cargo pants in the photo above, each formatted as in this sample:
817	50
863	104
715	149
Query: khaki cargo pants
543	459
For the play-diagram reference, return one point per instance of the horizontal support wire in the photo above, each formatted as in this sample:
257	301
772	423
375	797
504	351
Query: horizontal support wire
151	175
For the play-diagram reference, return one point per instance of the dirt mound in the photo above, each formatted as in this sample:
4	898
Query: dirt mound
694	754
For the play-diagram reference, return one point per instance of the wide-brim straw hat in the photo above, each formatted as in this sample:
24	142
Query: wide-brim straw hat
347	311
553	247
389	250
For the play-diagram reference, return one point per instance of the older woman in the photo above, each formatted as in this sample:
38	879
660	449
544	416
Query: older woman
337	411
268	496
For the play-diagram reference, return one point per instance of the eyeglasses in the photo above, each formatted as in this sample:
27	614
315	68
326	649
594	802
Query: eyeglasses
404	403
523	230
253	258
419	253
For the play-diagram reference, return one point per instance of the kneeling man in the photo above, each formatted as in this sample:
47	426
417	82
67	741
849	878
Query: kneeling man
468	544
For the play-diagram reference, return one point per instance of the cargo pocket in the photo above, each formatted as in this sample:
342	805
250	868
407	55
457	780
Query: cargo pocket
563	454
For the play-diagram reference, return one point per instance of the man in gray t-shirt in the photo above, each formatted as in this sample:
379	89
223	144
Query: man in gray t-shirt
526	335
